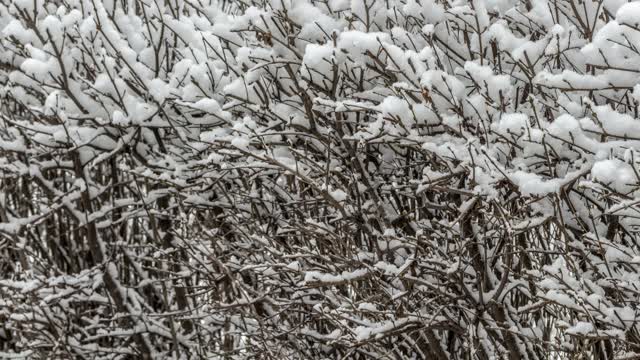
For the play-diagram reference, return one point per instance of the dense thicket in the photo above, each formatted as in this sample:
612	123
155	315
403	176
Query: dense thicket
307	179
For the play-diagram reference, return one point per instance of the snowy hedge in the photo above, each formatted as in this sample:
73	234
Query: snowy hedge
319	179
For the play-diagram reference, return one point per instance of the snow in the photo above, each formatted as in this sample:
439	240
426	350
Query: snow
338	195
313	276
629	14
319	58
367	307
295	266
615	173
16	145
388	269
159	89
21	355
494	85
358	43
581	328
432	11
371	332
614	254
445	83
534	184
511	124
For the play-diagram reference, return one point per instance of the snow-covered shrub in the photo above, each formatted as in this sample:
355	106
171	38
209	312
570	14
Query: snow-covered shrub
319	179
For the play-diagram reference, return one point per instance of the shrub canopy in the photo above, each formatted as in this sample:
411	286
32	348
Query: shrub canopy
307	179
